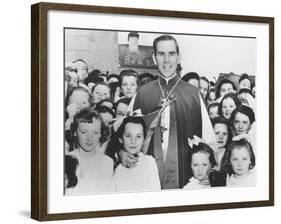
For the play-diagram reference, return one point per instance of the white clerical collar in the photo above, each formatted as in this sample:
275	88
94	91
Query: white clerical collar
167	79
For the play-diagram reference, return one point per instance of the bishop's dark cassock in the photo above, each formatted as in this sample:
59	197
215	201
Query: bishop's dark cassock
185	121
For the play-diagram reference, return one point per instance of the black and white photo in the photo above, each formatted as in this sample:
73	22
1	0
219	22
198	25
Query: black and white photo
172	132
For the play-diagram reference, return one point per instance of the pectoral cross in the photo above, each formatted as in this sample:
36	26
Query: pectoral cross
163	127
155	122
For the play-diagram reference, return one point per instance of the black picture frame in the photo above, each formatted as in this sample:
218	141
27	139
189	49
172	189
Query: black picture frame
39	108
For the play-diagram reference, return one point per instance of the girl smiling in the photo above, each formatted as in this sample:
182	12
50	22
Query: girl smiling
143	176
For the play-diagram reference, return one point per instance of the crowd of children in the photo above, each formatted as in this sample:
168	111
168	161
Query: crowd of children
98	124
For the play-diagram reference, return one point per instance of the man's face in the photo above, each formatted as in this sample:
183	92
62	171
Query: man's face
166	58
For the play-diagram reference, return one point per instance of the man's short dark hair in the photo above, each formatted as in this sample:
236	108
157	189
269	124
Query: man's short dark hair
162	38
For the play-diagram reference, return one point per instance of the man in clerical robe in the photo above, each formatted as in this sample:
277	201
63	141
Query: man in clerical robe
185	117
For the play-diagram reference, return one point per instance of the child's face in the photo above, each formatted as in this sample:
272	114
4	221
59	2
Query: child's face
243	97
228	105
82	69
146	80
226	88
211	98
121	110
101	92
240	161
241	123
203	87
81	99
245	83
88	135
133	138
74	79
200	165
221	133
129	86
214	112
106	118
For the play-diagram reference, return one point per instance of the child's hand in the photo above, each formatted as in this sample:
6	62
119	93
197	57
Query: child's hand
127	160
71	109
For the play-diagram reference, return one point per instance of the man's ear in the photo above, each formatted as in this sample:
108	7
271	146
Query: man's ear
179	59
154	59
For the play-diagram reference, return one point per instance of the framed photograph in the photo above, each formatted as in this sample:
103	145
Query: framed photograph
139	111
